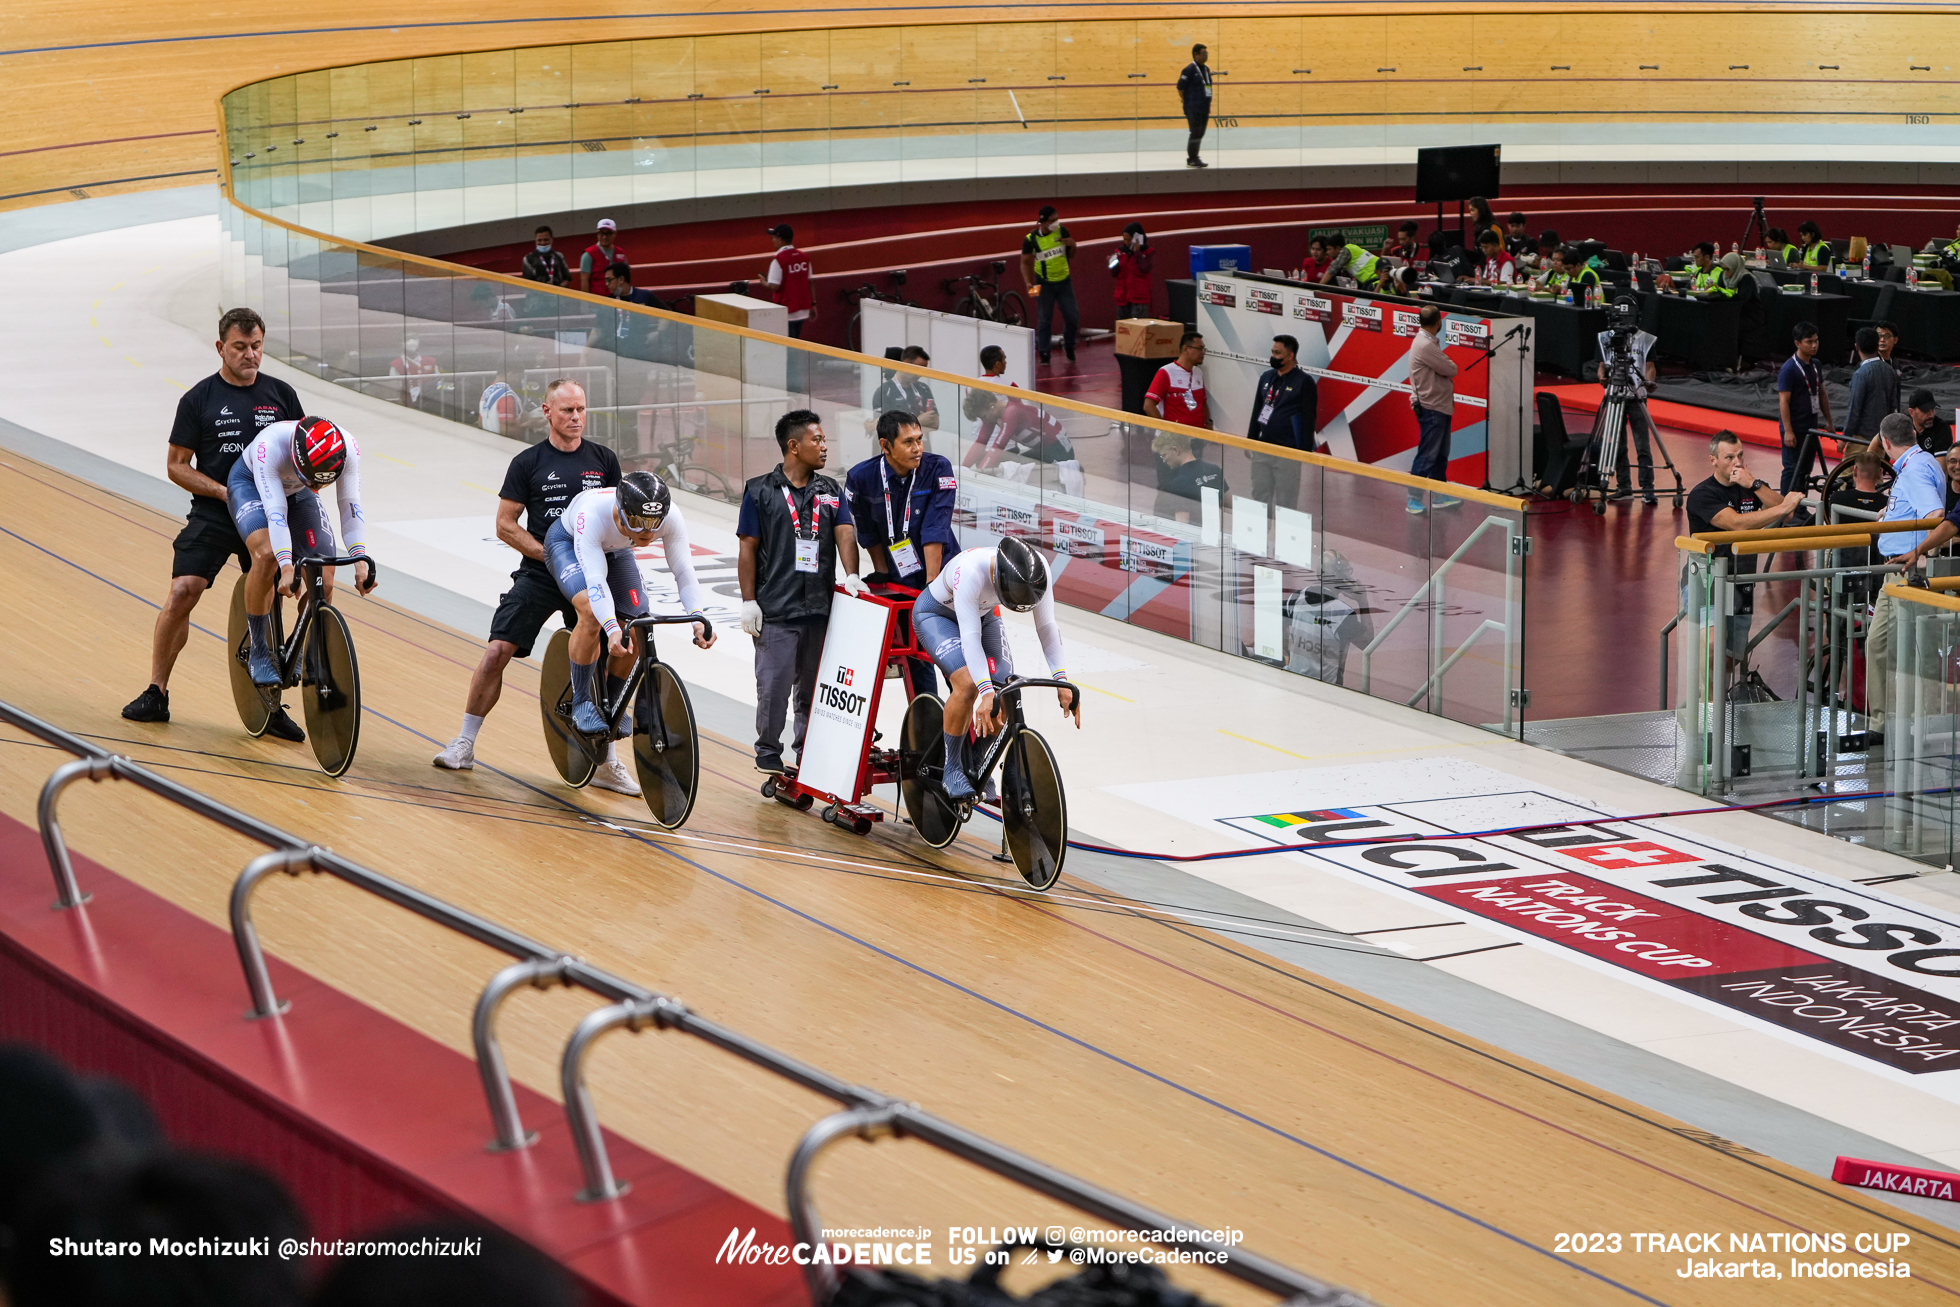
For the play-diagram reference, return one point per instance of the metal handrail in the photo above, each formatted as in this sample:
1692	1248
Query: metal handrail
631	1006
1435	582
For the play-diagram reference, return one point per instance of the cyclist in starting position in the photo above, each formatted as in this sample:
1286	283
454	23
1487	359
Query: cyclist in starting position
957	620
273	496
589	550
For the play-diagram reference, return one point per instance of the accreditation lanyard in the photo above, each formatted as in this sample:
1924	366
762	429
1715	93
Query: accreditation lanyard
806	546
905	558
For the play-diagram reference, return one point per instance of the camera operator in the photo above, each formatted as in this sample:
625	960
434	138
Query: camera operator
1624	362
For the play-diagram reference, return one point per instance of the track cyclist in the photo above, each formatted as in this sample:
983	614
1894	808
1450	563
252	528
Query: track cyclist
273	494
589	551
957	619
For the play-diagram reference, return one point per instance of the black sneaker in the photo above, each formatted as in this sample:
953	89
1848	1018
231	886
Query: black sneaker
281	727
153	705
771	767
1647	498
1070	353
1044	360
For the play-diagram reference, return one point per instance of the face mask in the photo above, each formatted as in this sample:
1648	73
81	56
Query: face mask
1278	362
544	247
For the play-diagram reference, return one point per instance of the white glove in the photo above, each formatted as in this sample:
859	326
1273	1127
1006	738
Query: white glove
751	617
853	585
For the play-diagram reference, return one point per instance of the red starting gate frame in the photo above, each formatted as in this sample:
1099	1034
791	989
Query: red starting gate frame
875	766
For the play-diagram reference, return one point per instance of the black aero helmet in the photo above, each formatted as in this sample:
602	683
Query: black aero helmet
643	501
1019	577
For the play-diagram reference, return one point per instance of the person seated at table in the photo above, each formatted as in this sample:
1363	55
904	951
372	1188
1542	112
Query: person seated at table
1781	244
1351	262
1320	253
1517	242
1934	433
1706	275
1816	250
1497	269
1548	241
1569	271
1404	245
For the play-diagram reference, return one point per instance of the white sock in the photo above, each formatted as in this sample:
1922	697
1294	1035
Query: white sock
612	751
471	725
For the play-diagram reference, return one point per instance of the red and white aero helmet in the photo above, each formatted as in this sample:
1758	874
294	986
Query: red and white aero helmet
319	451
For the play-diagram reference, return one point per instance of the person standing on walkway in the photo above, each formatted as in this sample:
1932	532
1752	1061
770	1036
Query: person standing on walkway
1433	397
1130	266
1194	89
216	419
788	276
1285	407
793	526
1045	255
600	255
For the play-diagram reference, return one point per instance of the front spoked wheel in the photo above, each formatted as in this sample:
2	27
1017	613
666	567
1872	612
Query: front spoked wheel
330	692
666	747
922	751
253	709
561	740
1034	810
1012	309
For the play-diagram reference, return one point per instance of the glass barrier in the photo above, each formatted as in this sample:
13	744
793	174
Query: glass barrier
1298	561
406	145
1922	733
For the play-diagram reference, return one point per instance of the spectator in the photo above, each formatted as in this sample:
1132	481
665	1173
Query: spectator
1045	255
788	279
501	411
1733	500
1497	270
1194	91
1483	220
1517	242
542	263
1918	492
1131	263
787	571
902	504
1802	401
1353	262
1433	397
1866	470
1780	244
1952	466
1320	255
902	390
1816	250
1183	491
500	1271
1404	245
599	256
1177	392
1870	385
633	332
412	366
993	361
1933	433
1285	409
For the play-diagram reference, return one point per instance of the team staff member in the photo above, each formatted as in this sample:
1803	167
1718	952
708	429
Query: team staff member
1816	250
1285	406
1918	493
1177	392
599	256
1188	477
902	506
1801	398
1432	394
542	263
1733	500
793	526
788	277
1194	92
1351	260
1934	433
216	419
539	483
1045	255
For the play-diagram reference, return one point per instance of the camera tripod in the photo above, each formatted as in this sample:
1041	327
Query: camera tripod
1606	454
1758	226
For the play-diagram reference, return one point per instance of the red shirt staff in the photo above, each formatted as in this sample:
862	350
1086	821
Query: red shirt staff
788	278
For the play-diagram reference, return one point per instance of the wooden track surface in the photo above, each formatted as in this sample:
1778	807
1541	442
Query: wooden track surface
104	99
1166	1062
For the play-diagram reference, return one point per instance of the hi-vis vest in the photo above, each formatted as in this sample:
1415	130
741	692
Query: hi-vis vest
1050	256
1711	280
1817	255
1360	265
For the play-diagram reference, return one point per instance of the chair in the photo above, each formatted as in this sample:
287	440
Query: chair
1881	309
1893	272
1615	259
1555	453
1754	339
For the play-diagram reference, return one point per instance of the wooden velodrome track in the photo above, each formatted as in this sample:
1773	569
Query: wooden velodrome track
1171	1064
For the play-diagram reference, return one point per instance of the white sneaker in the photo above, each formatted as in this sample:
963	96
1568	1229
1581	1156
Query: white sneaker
459	756
612	775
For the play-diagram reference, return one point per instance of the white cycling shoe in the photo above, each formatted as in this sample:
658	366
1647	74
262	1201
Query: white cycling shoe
613	775
459	755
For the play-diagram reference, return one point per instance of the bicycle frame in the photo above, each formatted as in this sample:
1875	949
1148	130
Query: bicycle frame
312	597
1007	701
612	709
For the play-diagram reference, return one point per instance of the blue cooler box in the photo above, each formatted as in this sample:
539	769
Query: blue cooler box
1220	258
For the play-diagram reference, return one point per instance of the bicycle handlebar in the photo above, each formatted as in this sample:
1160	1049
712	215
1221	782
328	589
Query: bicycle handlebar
667	619
1036	682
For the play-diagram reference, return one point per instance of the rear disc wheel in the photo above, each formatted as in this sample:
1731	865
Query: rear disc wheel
666	747
567	749
253	710
922	758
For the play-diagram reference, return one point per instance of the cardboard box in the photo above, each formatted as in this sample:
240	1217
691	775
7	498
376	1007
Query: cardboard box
1149	338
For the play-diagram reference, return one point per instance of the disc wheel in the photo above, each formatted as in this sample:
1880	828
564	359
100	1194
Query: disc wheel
253	710
330	692
1012	309
922	750
567	751
1033	810
666	747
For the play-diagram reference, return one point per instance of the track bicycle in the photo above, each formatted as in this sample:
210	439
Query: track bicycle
1033	806
985	299
666	743
676	464
856	295
318	657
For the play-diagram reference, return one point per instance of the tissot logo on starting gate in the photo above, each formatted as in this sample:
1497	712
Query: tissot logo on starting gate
844	675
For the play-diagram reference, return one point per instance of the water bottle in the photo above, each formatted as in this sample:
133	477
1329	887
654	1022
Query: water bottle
1865	268
1912	276
1813	283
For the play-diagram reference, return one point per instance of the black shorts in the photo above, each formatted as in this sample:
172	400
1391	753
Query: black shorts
204	544
532	597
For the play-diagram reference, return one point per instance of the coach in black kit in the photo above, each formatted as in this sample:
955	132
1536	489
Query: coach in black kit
540	482
216	419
